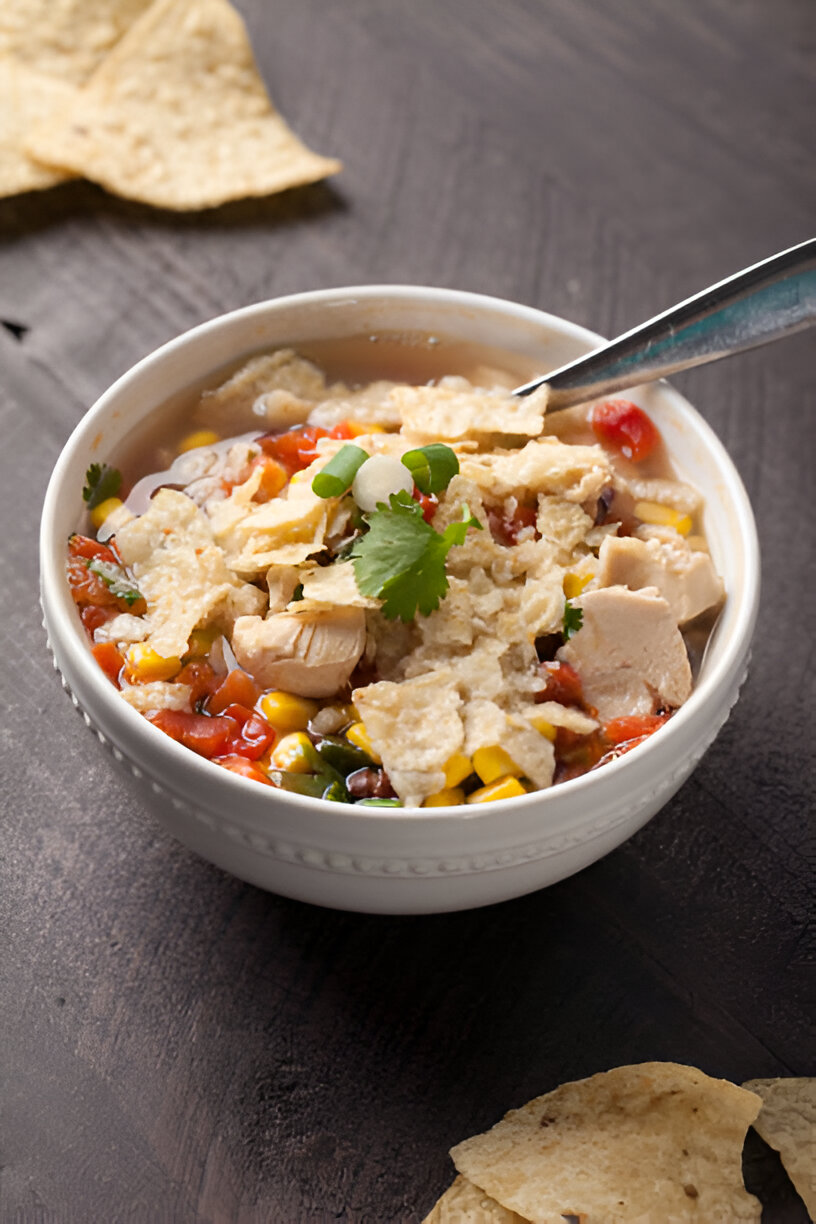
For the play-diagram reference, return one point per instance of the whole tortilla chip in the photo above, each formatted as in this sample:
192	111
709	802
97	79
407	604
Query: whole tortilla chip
787	1121
657	1141
177	116
464	1203
27	98
66	39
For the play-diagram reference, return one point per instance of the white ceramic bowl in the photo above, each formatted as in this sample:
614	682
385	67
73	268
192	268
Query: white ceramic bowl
395	860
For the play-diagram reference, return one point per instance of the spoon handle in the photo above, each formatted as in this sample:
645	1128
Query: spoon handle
769	300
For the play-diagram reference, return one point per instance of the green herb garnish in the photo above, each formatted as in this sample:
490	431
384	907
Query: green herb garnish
432	467
401	558
338	474
116	580
573	619
101	482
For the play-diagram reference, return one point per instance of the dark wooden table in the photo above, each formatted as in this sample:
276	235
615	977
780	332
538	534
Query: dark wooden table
177	1045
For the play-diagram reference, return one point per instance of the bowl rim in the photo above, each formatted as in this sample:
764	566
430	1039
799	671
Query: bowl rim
54	588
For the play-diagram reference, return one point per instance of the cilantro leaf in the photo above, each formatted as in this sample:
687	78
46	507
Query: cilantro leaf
101	482
573	619
401	558
116	580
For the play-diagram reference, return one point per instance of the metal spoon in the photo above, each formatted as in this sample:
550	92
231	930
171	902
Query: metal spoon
769	300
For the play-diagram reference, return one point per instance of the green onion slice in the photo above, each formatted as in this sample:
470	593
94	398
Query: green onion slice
338	474
432	467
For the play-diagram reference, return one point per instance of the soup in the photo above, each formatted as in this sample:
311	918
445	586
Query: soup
366	572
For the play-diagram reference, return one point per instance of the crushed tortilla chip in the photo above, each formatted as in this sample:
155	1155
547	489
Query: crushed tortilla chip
181	572
177	116
545	465
282	373
656	1141
157	695
454	410
326	585
787	1122
416	728
488	726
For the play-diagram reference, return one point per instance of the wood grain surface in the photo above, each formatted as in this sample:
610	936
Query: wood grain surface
178	1046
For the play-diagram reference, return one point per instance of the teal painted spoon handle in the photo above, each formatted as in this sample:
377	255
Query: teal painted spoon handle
769	300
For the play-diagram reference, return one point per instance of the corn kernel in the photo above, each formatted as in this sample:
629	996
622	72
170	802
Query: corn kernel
358	429
663	516
358	735
143	664
450	797
104	510
504	788
492	763
541	725
574	584
293	753
200	437
457	769
286	712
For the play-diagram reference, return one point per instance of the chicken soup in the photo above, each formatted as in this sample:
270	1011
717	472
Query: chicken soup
396	593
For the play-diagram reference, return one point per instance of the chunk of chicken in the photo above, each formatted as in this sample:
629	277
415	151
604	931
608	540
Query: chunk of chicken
312	653
687	580
629	653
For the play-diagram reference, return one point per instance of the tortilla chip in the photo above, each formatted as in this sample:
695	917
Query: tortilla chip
464	1203
656	1141
66	39
177	116
787	1121
26	99
451	412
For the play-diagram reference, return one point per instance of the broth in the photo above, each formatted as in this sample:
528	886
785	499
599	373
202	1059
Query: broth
404	356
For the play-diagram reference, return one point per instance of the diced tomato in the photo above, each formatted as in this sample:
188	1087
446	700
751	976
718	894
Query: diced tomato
297	448
506	530
562	684
620	750
200	677
93	617
429	503
110	659
633	726
625	427
254	735
240	765
345	430
577	754
86	586
236	688
207	736
82	546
